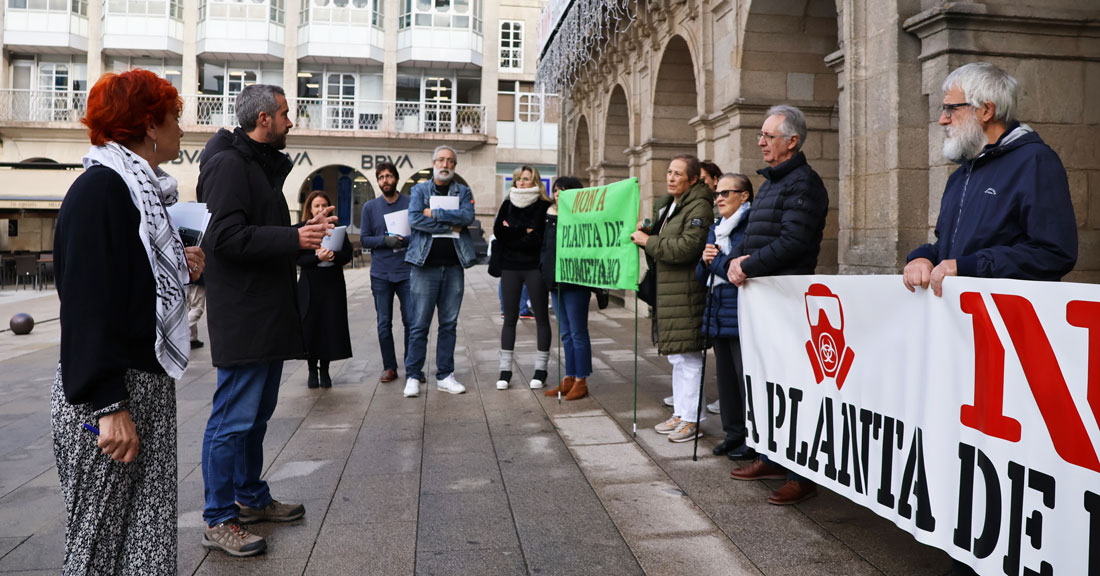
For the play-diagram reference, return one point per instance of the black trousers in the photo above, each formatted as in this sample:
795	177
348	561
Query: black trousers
731	387
511	286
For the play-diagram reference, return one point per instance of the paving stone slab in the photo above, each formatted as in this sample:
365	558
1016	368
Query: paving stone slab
580	557
617	464
447	472
381	548
373	499
465	521
700	554
375	456
590	430
218	564
653	509
506	561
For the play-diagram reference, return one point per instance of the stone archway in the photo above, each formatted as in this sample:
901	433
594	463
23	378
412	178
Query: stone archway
615	164
675	104
582	155
347	189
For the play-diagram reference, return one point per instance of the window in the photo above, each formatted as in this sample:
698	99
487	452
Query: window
53	76
238	79
511	46
80	7
278	11
175	9
440	14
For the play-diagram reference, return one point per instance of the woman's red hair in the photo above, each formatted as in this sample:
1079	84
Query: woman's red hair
121	106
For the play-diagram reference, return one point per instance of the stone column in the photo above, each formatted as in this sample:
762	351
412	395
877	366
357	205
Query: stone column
95	41
390	25
190	62
291	18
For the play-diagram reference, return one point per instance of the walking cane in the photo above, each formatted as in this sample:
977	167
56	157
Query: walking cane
703	372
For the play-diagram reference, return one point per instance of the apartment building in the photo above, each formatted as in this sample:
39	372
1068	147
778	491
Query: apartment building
367	81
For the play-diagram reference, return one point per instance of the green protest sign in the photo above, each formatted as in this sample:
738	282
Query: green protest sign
593	238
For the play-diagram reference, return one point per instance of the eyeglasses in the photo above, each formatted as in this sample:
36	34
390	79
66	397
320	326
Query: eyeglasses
450	161
949	108
724	193
769	137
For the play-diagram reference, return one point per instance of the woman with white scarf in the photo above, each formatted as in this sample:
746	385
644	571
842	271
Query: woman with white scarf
518	229
732	196
122	272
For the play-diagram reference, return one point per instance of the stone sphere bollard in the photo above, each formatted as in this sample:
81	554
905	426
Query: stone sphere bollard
21	324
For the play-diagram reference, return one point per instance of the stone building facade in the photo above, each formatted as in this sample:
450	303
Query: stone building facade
663	77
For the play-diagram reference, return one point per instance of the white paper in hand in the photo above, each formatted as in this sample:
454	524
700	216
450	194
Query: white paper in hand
334	242
398	223
444	203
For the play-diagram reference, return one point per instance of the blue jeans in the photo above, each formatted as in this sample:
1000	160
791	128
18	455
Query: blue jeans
233	446
572	311
384	291
434	287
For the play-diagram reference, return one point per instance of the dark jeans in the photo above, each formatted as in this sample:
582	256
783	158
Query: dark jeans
731	388
233	445
511	286
572	310
384	291
434	287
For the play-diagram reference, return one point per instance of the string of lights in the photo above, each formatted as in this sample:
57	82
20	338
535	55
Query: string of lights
582	36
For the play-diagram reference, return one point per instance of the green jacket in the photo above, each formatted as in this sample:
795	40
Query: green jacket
676	250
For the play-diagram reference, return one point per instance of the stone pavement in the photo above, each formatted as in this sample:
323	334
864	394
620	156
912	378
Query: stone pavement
486	483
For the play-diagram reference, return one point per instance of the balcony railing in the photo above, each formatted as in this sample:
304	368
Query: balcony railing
326	115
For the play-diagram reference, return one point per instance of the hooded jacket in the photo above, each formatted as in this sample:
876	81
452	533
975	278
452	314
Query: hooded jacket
787	220
1007	213
676	249
251	248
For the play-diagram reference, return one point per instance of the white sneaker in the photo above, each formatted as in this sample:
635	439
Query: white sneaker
449	384
713	408
668	402
412	388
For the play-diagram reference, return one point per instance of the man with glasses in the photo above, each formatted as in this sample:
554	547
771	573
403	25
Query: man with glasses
1006	212
440	247
783	237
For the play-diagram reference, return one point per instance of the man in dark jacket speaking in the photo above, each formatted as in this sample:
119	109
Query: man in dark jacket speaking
783	237
251	249
1006	212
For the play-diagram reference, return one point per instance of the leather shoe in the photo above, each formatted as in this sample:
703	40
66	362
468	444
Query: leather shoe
389	375
759	470
793	492
725	446
742	452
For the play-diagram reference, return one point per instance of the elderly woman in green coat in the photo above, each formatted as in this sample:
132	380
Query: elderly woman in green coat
675	243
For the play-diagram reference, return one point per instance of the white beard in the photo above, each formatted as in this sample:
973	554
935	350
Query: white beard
965	141
442	175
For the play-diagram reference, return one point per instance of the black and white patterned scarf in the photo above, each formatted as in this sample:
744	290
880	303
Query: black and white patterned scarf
152	191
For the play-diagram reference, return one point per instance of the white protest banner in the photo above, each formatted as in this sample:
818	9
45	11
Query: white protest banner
971	421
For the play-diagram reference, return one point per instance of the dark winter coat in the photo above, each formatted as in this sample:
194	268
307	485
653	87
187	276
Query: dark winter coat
251	249
323	303
1007	213
786	222
720	313
548	256
520	249
676	249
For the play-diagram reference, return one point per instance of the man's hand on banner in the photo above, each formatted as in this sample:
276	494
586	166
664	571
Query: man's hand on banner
941	271
918	272
734	274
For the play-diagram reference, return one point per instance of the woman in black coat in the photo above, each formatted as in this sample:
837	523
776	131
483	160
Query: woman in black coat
323	301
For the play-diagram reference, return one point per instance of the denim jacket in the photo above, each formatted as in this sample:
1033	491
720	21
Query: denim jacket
420	243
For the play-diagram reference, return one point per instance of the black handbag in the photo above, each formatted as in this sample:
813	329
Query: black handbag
494	259
647	288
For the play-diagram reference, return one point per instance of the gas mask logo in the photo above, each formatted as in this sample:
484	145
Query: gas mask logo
828	354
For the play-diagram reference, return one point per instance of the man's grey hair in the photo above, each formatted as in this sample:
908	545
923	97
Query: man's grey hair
255	99
445	147
983	82
794	123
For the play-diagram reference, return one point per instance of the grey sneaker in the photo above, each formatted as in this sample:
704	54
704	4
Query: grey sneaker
667	426
668	402
233	539
685	432
274	512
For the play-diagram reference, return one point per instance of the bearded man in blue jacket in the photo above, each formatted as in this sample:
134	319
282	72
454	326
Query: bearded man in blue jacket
1006	212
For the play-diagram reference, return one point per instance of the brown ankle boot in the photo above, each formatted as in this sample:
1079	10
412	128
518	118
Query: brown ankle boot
579	390
566	385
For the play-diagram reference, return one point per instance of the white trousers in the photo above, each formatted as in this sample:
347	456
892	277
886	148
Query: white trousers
687	369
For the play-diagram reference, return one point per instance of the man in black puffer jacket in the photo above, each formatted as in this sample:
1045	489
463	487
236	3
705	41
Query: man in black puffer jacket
783	237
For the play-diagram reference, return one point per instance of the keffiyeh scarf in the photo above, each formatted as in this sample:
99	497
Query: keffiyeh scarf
152	191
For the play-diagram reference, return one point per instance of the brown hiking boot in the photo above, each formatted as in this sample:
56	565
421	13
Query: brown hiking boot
274	512
233	539
579	389
566	384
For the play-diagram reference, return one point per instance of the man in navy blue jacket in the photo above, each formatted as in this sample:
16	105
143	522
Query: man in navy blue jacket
1006	212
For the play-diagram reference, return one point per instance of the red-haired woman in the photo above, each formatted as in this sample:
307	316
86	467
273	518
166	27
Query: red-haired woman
323	300
122	272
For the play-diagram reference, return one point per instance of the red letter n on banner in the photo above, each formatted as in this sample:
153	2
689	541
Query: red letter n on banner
987	413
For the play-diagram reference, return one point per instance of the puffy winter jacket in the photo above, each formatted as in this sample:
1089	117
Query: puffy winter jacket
1007	213
676	249
720	313
786	221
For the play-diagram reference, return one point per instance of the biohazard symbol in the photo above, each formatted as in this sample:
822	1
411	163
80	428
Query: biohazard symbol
828	354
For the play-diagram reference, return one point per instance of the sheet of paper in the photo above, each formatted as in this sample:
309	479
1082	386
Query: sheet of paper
398	223
334	242
193	215
444	203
